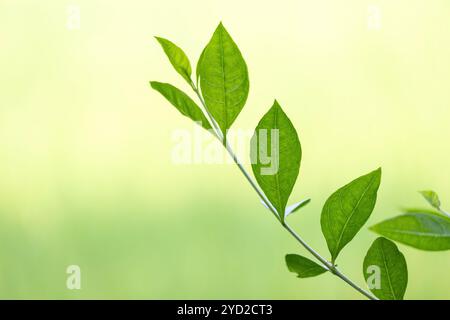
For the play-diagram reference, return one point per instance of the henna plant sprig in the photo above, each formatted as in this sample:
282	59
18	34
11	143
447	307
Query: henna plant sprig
222	86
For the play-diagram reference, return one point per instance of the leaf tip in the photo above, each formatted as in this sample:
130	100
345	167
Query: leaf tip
377	173
427	193
288	258
276	105
432	198
220	27
159	39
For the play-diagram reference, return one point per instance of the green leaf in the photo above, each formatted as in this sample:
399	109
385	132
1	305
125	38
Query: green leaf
295	207
182	102
177	58
385	270
275	156
303	267
223	78
421	230
347	210
432	198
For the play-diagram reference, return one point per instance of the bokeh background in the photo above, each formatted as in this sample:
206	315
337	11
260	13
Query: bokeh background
86	175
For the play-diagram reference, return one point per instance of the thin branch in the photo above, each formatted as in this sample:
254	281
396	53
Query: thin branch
328	265
333	269
212	121
445	213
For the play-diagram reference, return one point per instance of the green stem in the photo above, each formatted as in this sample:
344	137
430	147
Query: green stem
216	129
328	265
445	213
218	135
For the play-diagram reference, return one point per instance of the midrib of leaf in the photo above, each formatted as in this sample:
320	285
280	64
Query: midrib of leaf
387	272
224	86
230	78
352	213
277	181
428	234
307	270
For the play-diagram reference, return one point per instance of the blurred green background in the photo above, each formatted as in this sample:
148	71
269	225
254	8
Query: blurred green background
86	175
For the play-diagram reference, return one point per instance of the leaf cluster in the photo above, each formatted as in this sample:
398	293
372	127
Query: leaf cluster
222	85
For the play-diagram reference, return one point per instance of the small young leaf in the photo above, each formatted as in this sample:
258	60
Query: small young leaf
421	230
223	78
296	206
419	210
275	156
177	58
385	270
304	267
432	198
347	210
182	102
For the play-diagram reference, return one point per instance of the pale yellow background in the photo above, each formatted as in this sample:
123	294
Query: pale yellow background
86	176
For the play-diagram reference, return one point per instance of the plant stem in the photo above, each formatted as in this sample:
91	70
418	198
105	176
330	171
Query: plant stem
445	213
252	183
332	268
328	265
218	134
216	129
